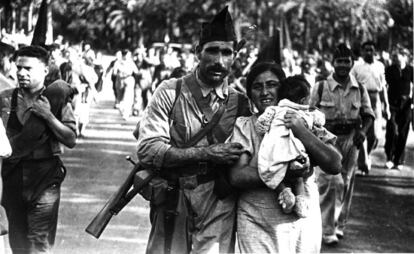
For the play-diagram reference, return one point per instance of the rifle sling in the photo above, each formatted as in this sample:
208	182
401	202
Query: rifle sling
207	128
203	105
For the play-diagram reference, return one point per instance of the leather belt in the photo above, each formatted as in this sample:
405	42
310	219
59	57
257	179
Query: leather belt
200	168
189	177
341	129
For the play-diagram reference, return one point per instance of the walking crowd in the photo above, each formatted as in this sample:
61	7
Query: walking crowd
241	144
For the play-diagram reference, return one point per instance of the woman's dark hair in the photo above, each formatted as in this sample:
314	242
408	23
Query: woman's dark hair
294	88
259	68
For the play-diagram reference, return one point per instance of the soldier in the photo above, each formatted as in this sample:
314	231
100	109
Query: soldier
371	74
172	118
348	115
36	125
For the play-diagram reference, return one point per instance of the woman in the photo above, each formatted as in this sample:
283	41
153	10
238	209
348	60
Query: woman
261	225
5	151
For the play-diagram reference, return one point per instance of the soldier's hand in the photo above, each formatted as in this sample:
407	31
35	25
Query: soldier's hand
41	107
359	138
224	153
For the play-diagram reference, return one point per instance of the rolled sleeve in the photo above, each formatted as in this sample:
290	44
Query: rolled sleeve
154	127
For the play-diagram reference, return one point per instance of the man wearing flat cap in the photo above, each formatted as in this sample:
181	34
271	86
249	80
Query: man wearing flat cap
182	135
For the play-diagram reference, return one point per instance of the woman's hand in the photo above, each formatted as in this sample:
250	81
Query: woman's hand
294	121
324	155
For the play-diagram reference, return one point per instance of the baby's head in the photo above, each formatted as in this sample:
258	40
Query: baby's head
296	89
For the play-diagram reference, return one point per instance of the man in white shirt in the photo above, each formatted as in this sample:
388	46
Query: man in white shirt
371	74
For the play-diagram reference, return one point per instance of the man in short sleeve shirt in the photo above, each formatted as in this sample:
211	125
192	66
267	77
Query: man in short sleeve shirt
32	175
348	115
371	74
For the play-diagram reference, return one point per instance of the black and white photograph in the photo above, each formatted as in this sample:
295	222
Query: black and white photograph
206	126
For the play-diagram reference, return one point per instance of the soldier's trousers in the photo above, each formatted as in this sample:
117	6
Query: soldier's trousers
335	191
207	227
32	214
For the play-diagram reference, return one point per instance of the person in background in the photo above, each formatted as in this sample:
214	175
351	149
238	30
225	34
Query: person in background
399	77
371	74
55	61
110	69
7	79
126	72
349	115
82	77
161	71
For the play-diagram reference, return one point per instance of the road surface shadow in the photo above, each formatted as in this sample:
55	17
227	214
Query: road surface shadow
382	216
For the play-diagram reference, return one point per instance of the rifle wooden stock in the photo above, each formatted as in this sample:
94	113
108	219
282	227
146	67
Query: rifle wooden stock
115	203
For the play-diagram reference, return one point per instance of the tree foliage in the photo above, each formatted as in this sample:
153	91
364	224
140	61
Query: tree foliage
306	24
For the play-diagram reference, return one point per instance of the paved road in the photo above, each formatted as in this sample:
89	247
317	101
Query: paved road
381	220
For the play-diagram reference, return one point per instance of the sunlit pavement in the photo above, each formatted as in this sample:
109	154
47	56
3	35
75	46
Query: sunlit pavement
382	216
382	212
96	168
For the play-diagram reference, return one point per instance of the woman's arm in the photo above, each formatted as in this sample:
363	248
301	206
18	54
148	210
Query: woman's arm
244	176
324	155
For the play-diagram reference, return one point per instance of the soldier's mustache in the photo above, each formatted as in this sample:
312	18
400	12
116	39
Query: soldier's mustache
217	68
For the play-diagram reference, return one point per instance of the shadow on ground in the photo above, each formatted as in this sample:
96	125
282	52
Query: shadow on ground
382	216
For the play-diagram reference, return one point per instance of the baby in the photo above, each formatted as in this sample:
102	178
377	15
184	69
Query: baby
280	148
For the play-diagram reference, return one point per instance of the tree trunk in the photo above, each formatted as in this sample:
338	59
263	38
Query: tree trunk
286	29
30	17
237	20
49	35
13	20
306	35
1	16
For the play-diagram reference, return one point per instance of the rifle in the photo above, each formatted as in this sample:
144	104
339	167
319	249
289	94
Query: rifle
118	200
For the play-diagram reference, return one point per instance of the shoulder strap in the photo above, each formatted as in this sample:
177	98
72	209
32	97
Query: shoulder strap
321	84
207	128
177	94
198	97
14	99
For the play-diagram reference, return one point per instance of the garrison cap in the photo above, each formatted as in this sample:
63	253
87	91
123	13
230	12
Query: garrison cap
220	28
